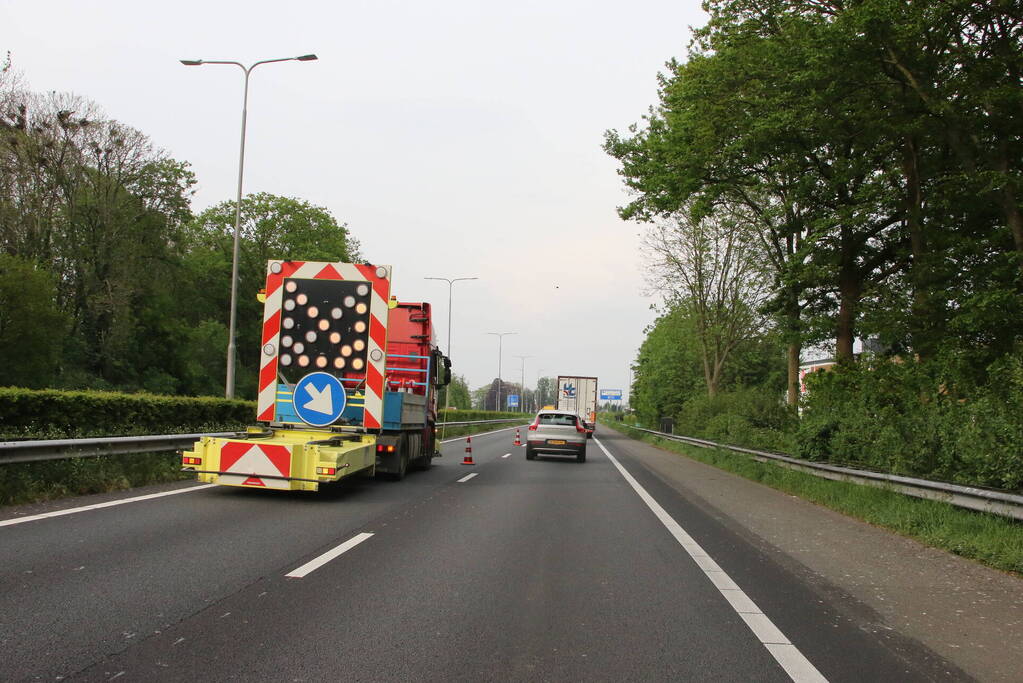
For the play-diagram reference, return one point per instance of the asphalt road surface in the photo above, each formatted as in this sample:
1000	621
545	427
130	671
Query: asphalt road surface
546	570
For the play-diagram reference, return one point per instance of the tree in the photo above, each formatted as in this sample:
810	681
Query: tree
272	227
32	327
460	397
712	268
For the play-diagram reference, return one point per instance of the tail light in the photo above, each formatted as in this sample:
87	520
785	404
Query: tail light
326	470
579	427
535	424
381	448
191	461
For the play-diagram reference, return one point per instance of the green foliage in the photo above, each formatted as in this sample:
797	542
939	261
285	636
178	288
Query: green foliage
460	397
995	541
756	418
876	149
919	419
37	481
272	227
31	326
52	414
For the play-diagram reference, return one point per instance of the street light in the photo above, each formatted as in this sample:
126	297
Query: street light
522	399
229	388
500	338
451	284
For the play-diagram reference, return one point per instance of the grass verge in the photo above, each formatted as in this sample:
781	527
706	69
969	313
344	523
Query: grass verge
994	541
34	482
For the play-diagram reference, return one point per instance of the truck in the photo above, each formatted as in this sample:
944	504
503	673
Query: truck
579	395
348	380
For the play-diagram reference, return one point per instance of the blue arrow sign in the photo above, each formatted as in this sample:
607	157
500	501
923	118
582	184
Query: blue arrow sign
319	399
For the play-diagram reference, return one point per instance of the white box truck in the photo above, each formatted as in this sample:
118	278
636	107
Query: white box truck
579	395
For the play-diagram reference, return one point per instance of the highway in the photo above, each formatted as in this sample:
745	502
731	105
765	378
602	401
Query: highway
545	570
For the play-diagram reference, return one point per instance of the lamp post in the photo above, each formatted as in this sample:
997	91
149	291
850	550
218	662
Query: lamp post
500	338
451	285
229	388
522	401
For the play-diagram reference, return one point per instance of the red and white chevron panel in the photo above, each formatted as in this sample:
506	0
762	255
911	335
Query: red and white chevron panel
380	279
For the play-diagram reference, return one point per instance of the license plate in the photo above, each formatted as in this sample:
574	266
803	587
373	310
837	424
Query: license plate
556	442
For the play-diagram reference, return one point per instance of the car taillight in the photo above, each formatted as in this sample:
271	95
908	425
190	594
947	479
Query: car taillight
533	426
579	428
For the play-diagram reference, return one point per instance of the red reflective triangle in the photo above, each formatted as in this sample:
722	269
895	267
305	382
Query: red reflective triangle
253	481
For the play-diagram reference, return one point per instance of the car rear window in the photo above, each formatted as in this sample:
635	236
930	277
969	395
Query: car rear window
555	419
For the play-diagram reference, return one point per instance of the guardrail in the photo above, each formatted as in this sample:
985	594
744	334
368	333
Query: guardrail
999	503
12	452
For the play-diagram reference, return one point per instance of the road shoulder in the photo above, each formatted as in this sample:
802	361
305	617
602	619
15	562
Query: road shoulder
962	611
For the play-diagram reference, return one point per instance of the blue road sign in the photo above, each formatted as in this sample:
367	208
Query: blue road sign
319	399
513	400
610	394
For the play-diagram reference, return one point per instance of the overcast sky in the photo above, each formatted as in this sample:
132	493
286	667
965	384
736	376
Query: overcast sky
455	138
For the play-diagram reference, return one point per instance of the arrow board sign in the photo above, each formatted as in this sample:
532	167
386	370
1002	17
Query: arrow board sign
319	399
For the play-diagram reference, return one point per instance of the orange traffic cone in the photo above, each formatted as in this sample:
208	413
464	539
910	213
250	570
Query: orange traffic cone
467	460
518	439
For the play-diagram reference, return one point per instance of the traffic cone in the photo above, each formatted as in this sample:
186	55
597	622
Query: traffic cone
518	439
467	460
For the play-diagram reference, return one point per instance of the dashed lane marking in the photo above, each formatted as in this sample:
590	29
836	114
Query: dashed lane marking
784	652
506	455
314	564
467	477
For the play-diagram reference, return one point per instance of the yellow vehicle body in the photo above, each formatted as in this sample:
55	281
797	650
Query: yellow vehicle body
282	459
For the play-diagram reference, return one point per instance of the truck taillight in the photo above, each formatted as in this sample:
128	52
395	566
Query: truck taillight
381	448
191	461
326	470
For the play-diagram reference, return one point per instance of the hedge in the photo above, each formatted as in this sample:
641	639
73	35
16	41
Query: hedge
52	414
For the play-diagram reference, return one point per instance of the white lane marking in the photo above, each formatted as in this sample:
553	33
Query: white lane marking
462	438
506	455
97	506
467	477
314	564
784	652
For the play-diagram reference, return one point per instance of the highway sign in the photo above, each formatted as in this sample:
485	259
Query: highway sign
610	394
319	399
513	400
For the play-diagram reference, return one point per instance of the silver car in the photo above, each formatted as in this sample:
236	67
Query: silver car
558	432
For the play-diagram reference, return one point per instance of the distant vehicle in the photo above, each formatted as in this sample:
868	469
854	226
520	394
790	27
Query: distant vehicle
558	432
579	395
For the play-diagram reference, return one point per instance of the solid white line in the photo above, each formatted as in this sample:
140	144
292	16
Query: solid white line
313	565
784	652
467	478
506	455
97	506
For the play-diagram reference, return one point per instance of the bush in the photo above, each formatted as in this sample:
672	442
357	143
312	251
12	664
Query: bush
911	418
757	418
52	414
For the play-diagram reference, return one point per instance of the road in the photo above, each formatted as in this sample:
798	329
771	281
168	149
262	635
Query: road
544	570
